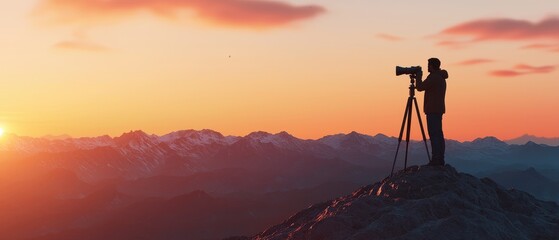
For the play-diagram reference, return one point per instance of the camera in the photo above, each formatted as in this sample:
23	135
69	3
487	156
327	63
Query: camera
407	70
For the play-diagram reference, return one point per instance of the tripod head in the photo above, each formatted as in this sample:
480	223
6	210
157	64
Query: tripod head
412	85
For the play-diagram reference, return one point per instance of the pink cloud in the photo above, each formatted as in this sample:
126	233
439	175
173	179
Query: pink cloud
475	61
523	69
534	69
258	14
389	37
506	29
505	73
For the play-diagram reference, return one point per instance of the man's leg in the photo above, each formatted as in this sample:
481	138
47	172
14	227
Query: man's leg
431	130
434	126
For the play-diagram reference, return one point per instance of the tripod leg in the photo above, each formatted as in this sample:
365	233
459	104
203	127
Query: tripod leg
408	131
400	136
422	131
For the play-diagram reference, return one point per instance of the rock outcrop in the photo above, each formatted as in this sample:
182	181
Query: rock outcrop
425	203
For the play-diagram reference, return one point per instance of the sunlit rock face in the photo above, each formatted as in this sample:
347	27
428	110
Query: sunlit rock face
425	203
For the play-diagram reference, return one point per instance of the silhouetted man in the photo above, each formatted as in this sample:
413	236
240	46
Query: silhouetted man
434	107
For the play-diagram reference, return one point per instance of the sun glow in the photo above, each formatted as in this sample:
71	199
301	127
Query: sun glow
1	132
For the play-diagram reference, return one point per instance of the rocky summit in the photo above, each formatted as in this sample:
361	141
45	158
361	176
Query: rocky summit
424	202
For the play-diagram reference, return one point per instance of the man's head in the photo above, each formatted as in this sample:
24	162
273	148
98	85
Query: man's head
433	64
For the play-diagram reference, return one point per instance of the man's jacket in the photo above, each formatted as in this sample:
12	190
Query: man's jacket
435	90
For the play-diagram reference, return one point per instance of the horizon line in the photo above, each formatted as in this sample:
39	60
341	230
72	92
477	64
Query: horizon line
68	136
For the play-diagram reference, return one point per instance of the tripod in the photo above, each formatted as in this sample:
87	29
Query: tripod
408	116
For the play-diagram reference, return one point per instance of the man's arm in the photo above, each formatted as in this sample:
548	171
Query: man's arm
422	85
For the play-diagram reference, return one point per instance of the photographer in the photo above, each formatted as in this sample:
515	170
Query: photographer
434	107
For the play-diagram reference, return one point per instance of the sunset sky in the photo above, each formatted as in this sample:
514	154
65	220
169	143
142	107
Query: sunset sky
308	67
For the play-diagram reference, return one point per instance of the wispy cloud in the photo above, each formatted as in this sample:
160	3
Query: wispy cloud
475	61
523	69
257	14
534	69
538	46
389	37
506	29
542	46
506	73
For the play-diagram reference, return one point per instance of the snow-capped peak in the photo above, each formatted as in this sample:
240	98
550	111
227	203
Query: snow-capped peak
193	137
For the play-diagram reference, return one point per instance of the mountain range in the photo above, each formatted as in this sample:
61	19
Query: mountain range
137	154
105	187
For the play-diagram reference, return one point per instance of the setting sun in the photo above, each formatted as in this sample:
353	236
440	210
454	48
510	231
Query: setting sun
1	132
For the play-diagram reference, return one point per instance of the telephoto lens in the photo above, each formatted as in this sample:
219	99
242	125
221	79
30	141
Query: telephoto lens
407	70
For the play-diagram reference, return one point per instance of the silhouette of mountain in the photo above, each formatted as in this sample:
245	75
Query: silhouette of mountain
199	215
26	215
529	180
425	203
531	138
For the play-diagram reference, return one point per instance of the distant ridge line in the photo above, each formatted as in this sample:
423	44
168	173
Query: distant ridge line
524	139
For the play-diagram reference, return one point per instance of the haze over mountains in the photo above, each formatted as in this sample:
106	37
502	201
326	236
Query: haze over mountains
105	187
531	138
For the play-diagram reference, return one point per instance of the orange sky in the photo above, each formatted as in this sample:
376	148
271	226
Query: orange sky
312	67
